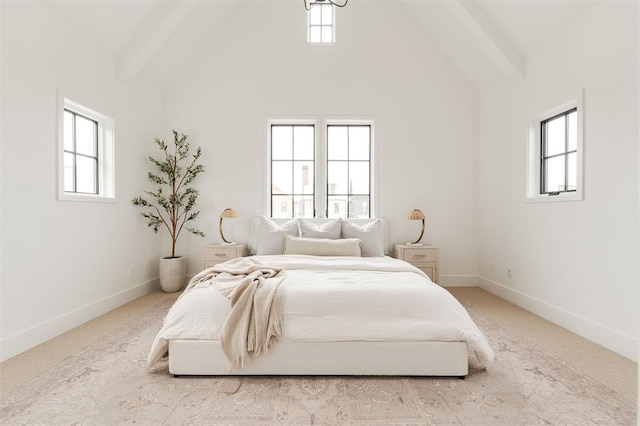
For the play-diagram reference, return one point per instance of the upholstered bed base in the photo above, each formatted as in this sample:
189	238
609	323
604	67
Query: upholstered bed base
205	357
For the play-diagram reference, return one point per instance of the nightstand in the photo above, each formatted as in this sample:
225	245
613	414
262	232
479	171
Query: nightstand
423	257
212	254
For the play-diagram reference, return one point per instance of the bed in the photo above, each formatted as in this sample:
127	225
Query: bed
344	312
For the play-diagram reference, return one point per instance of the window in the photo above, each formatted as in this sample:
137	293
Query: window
292	170
80	154
559	153
85	166
349	170
320	171
555	155
320	23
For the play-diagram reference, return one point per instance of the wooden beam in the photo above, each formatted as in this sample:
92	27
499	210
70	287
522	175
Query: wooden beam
149	38
489	36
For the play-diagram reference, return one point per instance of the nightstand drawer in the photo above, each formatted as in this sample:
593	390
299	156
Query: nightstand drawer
219	254
212	254
417	255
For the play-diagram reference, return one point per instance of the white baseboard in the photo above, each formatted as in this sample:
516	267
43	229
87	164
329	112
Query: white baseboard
26	339
620	343
458	280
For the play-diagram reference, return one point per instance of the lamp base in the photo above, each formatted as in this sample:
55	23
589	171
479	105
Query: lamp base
414	244
232	243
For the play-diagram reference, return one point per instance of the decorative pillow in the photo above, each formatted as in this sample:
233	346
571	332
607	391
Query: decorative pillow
322	246
370	234
326	229
271	236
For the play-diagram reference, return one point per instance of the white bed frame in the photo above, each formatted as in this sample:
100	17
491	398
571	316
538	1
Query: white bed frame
205	357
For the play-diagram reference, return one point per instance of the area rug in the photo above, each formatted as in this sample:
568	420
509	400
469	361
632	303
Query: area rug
107	384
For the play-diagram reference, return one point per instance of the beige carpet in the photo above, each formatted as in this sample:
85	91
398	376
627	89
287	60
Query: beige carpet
607	367
105	383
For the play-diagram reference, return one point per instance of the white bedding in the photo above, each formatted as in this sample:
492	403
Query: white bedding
338	299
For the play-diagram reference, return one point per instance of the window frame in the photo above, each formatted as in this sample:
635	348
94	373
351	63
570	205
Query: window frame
320	164
535	155
544	157
75	154
333	24
349	161
105	152
271	161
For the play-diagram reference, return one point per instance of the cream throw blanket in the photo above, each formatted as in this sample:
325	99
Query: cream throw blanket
255	321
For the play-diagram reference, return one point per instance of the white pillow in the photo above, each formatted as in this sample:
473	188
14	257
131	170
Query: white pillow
322	246
271	236
326	229
370	234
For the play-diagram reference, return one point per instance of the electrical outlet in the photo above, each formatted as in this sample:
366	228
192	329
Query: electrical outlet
132	271
509	273
492	268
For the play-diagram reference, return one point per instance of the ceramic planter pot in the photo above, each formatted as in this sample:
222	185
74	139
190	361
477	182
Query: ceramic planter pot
172	273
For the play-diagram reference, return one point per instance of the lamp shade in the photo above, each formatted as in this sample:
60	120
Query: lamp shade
228	213
416	214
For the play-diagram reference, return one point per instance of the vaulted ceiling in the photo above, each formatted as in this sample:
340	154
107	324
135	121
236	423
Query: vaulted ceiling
488	40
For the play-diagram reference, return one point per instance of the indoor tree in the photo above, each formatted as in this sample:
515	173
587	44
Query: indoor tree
172	204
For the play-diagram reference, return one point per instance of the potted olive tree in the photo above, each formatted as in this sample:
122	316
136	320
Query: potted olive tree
172	204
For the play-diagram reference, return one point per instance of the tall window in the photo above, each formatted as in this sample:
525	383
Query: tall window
320	171
292	171
320	23
349	171
80	154
558	161
86	153
555	154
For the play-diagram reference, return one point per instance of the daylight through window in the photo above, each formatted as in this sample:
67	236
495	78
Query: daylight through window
559	153
80	154
320	21
292	171
348	170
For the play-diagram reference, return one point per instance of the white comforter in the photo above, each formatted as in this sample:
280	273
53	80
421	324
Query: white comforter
338	299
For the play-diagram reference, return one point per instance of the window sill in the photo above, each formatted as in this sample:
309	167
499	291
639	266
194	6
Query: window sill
567	196
86	198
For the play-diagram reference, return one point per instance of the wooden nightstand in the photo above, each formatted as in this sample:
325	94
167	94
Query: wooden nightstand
212	254
423	257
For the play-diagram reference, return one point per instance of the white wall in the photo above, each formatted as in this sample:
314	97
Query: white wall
575	263
64	263
256	64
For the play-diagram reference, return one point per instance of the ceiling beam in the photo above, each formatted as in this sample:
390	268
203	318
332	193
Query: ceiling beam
149	38
490	38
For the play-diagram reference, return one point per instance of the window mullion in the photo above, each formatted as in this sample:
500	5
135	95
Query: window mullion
543	166
95	128
322	183
293	173
566	152
348	175
75	154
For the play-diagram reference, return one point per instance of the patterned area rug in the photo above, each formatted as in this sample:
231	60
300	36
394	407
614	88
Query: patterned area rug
107	384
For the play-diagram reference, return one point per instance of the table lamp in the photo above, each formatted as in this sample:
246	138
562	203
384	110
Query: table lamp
417	214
